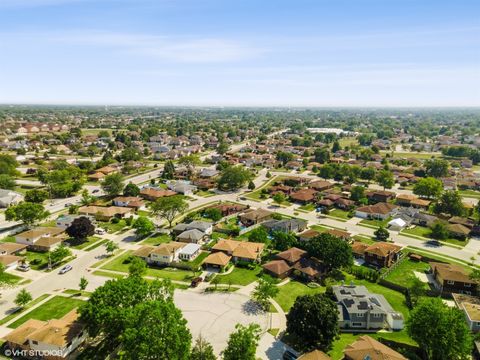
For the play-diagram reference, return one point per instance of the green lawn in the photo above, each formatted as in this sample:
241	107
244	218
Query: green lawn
111	227
9	238
375	222
205	193
339	213
21	310
143	213
289	292
426	232
307	207
54	308
470	193
121	264
156	239
9	279
365	239
51	223
37	260
403	272
77	292
240	276
198	260
108	274
84	244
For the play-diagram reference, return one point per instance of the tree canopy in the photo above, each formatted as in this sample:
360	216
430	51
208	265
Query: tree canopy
331	250
428	187
113	184
169	207
233	177
26	212
243	342
81	228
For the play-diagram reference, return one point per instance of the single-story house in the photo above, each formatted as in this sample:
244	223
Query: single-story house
163	254
397	224
8	248
228	208
104	213
470	305
203	226
304	196
57	336
10	261
380	196
320	185
217	260
292	255
310	269
286	225
251	217
380	210
64	221
153	194
240	250
41	238
366	347
308	235
189	252
128	201
182	187
191	236
277	268
459	231
9	197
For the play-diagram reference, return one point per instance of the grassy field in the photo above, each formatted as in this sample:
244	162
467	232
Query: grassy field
289	292
403	272
365	239
9	279
85	244
54	308
111	227
156	239
36	260
95	131
203	193
121	264
108	274
470	193
240	276
426	232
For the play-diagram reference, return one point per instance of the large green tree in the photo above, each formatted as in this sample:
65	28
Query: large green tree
313	319
233	178
168	170
36	196
440	331
428	187
450	202
265	290
169	207
7	182
436	168
81	228
202	350
331	250
190	162
143	226
26	212
131	190
153	330
242	343
385	179
113	184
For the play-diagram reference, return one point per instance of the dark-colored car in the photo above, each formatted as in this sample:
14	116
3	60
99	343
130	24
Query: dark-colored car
196	281
288	355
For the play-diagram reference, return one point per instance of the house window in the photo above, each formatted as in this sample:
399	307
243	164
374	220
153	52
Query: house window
450	282
34	342
356	324
360	315
377	315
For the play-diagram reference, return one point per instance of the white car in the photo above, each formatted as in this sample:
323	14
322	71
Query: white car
23	267
65	269
100	231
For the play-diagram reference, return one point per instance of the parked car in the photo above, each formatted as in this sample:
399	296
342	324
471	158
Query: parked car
196	281
23	267
288	355
65	269
100	231
68	205
433	243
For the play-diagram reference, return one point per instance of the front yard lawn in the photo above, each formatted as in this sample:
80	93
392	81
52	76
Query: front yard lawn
9	279
82	245
121	264
289	292
54	308
203	193
426	232
111	227
240	276
375	222
403	272
339	213
156	239
307	207
37	260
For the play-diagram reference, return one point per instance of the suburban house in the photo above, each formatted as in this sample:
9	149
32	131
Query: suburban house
182	187
310	269
228	209
208	173
189	252
64	221
191	236
382	254
320	185
10	261
58	336
104	213
308	235
304	196
452	278
217	260
251	217
380	196
41	238
360	309
152	194
470	305
380	210
284	263
128	201
286	225
203	226
8	248
240	250
163	254
412	200
277	268
459	231
367	348
9	197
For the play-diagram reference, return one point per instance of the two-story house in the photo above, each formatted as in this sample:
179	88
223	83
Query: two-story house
163	254
452	278
382	254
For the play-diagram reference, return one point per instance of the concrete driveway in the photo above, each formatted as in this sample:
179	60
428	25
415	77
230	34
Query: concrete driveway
215	315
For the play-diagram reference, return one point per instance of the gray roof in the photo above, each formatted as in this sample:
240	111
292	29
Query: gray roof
199	225
193	234
190	249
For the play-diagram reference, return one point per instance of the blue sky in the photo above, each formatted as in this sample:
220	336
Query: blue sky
243	52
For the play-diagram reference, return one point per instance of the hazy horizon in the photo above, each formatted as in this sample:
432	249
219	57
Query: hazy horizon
212	53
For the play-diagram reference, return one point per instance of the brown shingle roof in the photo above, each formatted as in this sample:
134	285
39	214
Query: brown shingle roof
218	258
292	255
277	267
367	347
379	208
452	272
382	249
315	355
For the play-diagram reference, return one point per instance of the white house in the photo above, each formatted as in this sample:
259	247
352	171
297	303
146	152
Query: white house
397	224
189	252
163	254
9	197
182	187
65	221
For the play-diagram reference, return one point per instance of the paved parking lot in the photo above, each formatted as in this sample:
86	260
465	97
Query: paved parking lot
214	315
